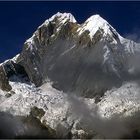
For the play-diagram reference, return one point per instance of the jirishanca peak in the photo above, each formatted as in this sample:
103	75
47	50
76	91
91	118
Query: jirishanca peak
72	79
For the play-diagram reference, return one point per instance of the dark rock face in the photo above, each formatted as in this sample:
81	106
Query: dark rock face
45	41
4	84
37	112
7	70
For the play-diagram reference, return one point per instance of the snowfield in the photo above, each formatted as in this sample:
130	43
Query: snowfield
64	111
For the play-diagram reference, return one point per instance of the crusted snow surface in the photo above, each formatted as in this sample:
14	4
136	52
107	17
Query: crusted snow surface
26	96
67	109
124	100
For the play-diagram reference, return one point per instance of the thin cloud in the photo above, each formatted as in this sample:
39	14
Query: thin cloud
134	35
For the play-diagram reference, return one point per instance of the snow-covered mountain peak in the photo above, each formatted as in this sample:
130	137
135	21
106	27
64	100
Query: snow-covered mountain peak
63	17
66	36
70	74
95	23
96	17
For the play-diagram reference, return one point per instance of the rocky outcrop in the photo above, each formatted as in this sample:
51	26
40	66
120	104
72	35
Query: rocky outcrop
4	83
7	70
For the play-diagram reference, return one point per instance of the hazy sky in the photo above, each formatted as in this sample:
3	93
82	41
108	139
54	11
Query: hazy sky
18	20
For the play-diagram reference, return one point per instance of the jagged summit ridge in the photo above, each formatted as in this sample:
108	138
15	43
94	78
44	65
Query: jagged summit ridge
63	16
92	24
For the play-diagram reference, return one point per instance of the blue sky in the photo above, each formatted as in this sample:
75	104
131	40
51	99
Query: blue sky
18	20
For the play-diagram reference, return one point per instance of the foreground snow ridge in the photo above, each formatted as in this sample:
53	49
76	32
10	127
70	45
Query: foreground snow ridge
46	97
69	110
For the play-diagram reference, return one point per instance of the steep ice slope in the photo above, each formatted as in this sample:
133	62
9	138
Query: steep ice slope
116	48
94	23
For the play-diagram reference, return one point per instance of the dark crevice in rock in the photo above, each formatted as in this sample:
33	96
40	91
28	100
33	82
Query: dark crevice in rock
37	112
